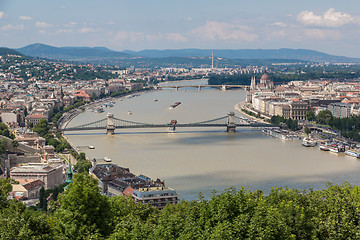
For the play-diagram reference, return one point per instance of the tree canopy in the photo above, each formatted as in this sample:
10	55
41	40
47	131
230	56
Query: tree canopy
82	212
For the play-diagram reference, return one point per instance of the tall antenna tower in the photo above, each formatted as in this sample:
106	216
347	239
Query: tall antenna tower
212	59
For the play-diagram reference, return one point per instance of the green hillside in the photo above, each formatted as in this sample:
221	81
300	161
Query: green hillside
6	51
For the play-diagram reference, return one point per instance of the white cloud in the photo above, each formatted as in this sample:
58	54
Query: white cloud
70	24
213	30
176	37
1	14
133	36
86	30
329	19
13	27
26	18
42	31
42	25
279	24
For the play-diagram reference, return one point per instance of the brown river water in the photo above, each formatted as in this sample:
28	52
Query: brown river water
194	160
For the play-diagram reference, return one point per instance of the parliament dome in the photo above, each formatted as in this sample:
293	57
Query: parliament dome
265	77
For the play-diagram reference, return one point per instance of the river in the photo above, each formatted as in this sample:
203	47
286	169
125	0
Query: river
194	160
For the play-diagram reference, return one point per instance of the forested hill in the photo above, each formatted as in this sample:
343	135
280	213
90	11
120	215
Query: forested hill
283	53
70	53
82	212
7	51
108	55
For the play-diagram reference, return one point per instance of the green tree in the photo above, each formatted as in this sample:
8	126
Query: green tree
324	117
83	213
5	188
42	128
310	116
42	199
3	145
307	130
82	166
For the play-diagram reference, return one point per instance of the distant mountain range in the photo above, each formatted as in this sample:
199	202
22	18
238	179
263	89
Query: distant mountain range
69	53
105	55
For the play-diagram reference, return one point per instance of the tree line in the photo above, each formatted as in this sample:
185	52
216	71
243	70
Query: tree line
349	127
81	212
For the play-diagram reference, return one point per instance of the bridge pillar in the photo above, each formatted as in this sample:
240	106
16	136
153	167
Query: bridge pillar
110	127
231	125
199	88
172	125
176	88
223	87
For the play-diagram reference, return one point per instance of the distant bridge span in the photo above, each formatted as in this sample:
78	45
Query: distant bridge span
199	87
110	124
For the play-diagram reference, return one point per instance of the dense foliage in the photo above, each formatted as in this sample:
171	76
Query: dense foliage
291	124
82	212
42	128
4	131
6	51
82	164
349	127
76	104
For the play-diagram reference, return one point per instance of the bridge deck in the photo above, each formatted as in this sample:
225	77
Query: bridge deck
166	126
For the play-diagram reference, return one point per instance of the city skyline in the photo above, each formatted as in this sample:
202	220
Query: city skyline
327	26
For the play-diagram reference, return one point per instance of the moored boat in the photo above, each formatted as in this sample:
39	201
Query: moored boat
308	142
323	147
282	134
352	153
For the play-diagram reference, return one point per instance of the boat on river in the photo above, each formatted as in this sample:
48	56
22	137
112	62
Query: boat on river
282	134
91	147
175	105
352	153
106	159
308	142
324	147
335	148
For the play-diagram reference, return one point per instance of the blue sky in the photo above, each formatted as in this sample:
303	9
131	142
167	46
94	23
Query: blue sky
324	25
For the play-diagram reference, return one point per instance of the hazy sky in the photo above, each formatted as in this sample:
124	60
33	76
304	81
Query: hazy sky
330	26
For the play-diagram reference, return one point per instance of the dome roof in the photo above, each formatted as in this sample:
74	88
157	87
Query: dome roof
265	77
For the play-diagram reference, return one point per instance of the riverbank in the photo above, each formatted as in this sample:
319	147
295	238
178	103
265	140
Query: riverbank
242	105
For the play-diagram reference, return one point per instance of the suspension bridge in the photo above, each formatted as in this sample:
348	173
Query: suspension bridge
230	122
199	87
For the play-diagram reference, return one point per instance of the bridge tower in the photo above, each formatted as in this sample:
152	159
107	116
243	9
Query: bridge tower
231	125
223	87
110	127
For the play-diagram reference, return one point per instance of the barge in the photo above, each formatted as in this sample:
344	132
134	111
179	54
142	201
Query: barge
175	105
